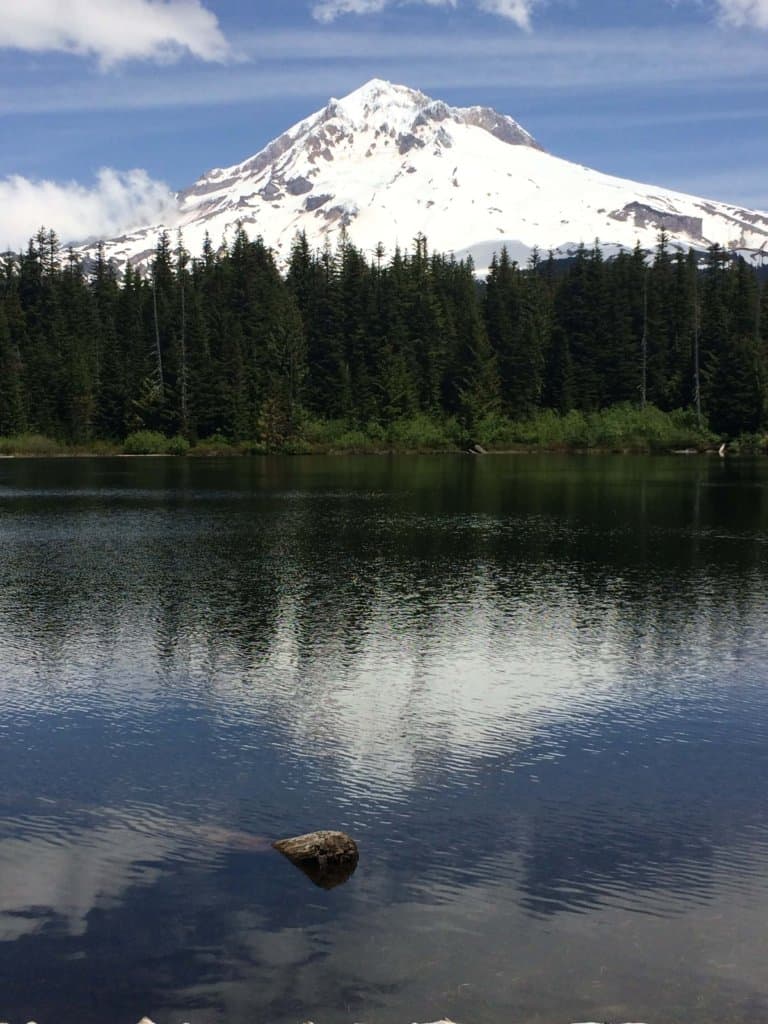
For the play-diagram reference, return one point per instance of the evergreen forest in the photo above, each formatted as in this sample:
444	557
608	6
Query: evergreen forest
403	349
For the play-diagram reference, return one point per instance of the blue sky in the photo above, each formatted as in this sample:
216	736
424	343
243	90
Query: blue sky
673	92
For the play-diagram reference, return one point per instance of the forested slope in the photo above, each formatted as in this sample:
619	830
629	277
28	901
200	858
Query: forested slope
223	344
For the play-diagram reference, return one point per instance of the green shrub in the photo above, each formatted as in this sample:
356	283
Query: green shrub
216	444
375	432
337	435
622	427
323	432
152	442
101	448
30	444
252	447
351	441
146	442
750	444
177	445
420	432
295	446
494	431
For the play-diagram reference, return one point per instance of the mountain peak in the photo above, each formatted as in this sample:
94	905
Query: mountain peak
405	109
387	162
378	93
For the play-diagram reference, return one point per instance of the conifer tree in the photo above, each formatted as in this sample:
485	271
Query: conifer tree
715	334
111	379
40	343
475	369
394	368
627	365
77	330
663	372
737	370
503	319
581	316
355	311
11	394
425	318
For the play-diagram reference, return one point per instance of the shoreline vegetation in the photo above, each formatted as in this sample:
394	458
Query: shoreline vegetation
619	429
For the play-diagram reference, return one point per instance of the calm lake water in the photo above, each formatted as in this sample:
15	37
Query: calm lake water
535	689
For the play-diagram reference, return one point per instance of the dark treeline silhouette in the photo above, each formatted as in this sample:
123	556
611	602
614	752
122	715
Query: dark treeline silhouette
224	344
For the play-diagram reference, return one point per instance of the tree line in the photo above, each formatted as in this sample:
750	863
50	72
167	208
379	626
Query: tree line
224	344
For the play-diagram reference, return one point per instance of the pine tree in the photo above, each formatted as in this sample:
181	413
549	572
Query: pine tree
395	374
626	360
475	370
111	376
425	319
355	293
737	371
39	341
683	331
504	324
11	395
582	315
715	334
663	372
77	330
314	280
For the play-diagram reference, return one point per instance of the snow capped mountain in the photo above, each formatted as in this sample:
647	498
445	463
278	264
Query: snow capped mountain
387	163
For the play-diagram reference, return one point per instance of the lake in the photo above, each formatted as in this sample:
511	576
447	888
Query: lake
533	688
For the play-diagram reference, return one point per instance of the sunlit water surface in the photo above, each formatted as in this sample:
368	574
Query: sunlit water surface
533	689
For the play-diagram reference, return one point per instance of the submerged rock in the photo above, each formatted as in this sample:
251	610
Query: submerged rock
322	845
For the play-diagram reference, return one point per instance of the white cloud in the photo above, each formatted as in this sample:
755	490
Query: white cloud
743	13
119	200
518	11
327	10
734	13
113	30
738	13
314	65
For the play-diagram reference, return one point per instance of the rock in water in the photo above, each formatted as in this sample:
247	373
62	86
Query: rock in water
327	858
319	846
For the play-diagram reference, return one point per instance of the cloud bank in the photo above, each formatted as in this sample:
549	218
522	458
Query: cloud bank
736	13
114	30
119	200
517	11
744	13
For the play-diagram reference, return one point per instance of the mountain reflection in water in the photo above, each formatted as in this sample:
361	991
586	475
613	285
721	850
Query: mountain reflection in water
533	688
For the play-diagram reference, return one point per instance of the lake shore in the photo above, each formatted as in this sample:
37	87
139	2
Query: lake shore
621	429
236	451
389	452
